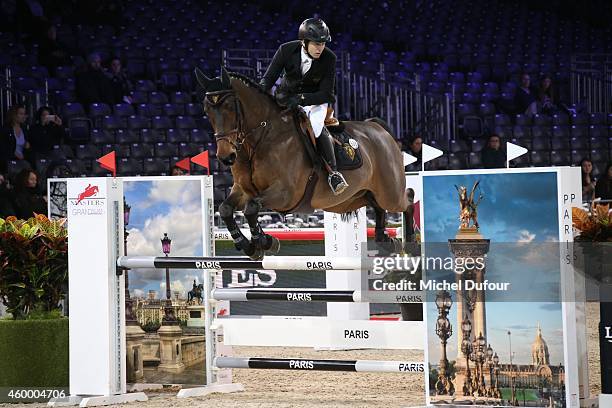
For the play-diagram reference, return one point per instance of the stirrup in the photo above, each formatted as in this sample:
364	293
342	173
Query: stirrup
341	186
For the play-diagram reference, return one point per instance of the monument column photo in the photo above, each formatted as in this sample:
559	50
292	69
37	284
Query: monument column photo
471	308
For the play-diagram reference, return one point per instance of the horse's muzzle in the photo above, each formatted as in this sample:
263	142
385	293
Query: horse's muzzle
229	160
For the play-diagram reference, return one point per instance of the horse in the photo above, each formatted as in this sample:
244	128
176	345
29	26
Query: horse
89	191
271	168
196	293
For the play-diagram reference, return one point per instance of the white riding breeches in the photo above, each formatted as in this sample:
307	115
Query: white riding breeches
316	114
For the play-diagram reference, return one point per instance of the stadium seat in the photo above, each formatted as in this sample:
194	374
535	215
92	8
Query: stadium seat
155	167
177	136
129	167
123	136
161	122
165	150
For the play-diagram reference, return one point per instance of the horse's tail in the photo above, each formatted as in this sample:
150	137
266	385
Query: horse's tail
382	123
347	215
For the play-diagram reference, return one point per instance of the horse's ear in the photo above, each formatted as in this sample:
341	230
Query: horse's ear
202	79
225	79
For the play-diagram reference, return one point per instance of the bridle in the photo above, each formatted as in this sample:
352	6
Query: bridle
215	99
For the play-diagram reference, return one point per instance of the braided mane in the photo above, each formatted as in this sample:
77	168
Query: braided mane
251	84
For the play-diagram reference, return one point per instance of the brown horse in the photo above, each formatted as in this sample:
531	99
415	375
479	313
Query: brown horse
271	167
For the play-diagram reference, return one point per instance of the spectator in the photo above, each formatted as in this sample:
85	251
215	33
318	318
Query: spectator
50	53
6	199
177	171
46	132
588	181
14	140
546	96
121	87
415	148
525	98
91	84
493	156
603	187
28	200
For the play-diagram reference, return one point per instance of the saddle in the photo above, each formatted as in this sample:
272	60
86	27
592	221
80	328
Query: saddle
347	150
348	156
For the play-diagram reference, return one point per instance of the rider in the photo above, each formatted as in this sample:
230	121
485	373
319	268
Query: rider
310	71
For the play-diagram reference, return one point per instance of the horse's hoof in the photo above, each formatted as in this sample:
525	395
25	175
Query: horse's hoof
257	255
274	246
397	244
388	245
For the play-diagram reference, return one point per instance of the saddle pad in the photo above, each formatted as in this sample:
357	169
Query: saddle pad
348	151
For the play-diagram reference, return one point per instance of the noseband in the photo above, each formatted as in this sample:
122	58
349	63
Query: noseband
216	98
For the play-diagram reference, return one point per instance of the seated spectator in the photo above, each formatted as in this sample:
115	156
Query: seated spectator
588	181
14	140
91	83
493	156
177	171
546	96
27	198
121	87
415	148
50	53
46	132
6	198
525	97
603	187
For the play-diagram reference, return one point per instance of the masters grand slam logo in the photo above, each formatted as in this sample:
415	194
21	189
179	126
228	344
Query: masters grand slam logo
88	202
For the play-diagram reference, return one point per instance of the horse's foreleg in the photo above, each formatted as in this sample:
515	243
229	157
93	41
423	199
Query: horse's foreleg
260	240
226	211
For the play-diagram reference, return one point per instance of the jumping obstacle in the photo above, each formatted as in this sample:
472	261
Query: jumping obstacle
361	366
97	332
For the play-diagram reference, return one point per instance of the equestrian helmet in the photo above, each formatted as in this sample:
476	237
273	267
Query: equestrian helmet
314	29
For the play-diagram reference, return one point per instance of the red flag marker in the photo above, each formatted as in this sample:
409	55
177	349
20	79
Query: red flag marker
108	162
202	160
184	164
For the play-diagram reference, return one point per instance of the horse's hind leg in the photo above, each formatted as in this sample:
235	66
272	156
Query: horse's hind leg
380	232
408	227
226	211
261	241
411	311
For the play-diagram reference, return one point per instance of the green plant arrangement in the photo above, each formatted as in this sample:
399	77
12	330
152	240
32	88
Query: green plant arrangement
33	279
33	265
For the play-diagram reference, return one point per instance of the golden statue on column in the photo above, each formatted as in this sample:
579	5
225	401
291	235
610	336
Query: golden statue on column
468	207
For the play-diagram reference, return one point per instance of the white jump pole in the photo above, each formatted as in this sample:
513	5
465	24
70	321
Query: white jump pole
362	366
298	263
96	294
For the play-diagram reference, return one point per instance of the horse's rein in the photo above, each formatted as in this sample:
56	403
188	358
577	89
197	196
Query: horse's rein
217	97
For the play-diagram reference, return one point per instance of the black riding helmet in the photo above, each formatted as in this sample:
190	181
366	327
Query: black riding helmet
314	29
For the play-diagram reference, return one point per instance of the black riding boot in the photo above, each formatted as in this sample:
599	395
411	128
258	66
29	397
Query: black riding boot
325	144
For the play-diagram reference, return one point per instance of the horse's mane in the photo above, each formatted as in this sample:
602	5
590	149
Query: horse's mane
251	83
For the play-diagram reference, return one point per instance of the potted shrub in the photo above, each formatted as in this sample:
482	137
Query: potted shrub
33	280
595	240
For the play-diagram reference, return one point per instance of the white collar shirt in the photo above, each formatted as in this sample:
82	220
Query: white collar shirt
306	62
